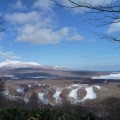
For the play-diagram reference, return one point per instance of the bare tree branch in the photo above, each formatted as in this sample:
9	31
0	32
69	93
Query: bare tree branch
102	13
1	24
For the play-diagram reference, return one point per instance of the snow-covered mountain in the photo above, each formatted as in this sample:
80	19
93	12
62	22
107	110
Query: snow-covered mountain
9	64
17	64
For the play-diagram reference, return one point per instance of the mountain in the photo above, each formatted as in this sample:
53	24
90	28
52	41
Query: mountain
17	64
13	65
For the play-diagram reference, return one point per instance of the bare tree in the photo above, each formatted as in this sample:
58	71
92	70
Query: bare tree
2	89
1	24
102	13
2	86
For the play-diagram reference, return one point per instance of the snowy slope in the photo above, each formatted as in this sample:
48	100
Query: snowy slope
17	64
57	95
8	64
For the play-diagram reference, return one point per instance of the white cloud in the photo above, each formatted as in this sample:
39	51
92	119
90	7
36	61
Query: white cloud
23	18
38	29
18	5
37	35
114	27
8	55
45	5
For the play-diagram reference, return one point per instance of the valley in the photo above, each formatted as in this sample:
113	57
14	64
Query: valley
58	86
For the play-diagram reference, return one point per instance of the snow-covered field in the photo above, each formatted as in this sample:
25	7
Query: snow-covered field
58	94
90	94
115	76
73	94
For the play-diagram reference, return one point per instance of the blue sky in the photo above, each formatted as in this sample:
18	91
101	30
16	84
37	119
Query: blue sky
39	31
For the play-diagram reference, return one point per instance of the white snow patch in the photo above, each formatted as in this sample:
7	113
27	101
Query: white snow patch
105	81
39	84
6	92
97	86
29	86
73	94
84	85
40	77
8	76
42	97
90	93
20	90
56	67
74	85
111	76
13	97
57	95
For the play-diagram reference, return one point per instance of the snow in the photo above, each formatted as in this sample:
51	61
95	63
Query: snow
40	77
8	76
6	92
41	96
74	85
90	93
39	84
73	93
18	64
29	86
20	90
13	97
74	96
111	76
12	64
97	86
57	95
105	81
56	67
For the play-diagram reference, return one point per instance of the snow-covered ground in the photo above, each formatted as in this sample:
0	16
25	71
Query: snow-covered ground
29	86
74	86
13	97
41	96
57	95
74	96
18	64
20	90
97	86
90	94
111	76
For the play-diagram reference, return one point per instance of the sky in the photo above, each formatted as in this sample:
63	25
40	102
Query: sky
40	31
